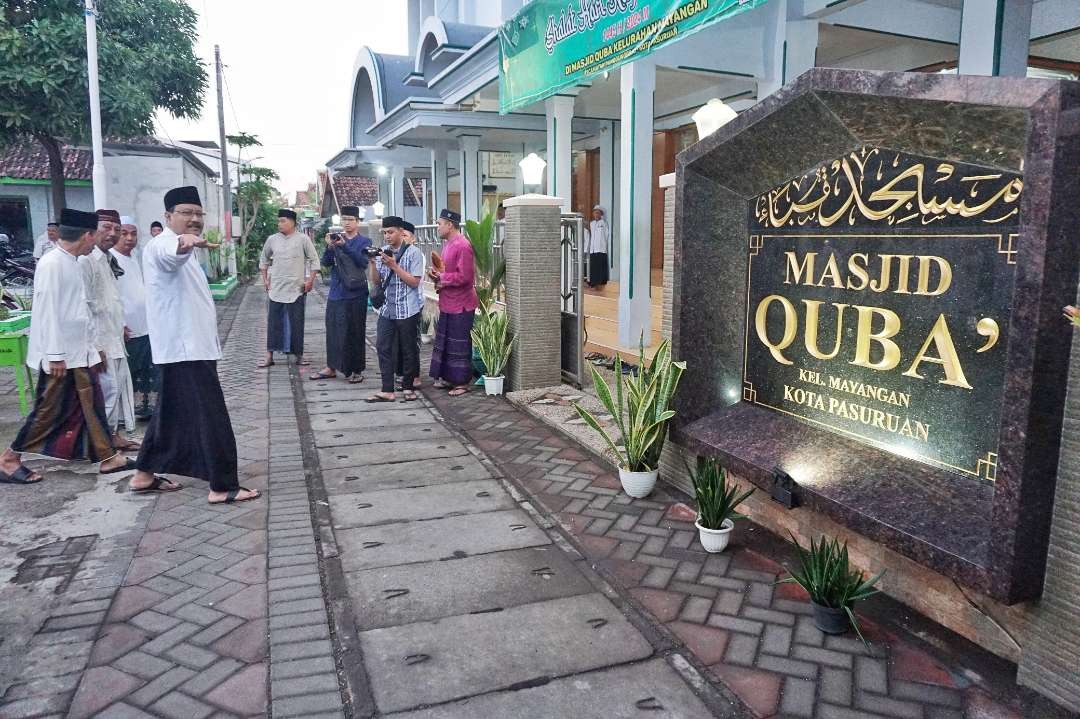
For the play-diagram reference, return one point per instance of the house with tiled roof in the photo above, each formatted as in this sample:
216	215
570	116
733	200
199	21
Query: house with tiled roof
139	170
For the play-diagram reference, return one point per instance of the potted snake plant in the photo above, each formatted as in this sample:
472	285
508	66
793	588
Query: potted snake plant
717	501
832	584
641	409
493	341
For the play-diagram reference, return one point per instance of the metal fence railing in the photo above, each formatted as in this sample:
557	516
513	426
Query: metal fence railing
572	271
427	239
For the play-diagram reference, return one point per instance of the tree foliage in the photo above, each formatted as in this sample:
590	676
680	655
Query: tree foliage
146	61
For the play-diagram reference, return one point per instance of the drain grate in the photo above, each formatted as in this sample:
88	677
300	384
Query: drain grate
55	559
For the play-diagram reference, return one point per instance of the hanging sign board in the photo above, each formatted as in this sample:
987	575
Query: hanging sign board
552	44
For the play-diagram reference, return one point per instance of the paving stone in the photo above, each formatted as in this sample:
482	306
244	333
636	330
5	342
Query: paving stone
604	693
115	641
768	615
807	633
736	623
888	707
298	619
798	697
161	686
871	675
657	577
741	649
215	631
210	677
304	706
697	609
437	539
244	693
823	656
924	693
313	684
248	642
180	706
665	606
53	705
299	634
706	643
142	665
470	585
170	638
198	615
835	686
728	602
776	640
301	667
782	665
191	655
477	653
759	690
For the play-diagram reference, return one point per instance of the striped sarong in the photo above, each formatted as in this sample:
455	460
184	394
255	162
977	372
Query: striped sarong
68	420
451	352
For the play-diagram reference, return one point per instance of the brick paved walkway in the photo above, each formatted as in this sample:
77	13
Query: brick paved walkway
755	637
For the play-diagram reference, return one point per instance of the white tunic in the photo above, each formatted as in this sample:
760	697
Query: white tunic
132	293
61	328
180	312
103	296
42	245
598	237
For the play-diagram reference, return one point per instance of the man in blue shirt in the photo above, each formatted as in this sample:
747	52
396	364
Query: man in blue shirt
399	269
346	305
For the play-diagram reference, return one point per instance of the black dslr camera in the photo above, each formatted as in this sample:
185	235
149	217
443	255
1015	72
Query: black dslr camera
374	252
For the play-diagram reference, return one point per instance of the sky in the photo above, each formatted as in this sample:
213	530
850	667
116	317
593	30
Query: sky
288	75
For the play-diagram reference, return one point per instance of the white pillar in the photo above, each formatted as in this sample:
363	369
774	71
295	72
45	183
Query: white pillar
439	180
470	177
638	84
994	37
560	117
397	190
790	49
608	181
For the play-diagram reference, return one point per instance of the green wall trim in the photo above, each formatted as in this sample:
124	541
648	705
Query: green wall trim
783	66
6	180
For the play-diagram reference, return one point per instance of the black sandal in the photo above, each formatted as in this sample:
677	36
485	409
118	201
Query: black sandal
21	475
128	466
232	494
156	486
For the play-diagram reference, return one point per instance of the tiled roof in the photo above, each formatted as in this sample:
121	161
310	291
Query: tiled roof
355	190
29	162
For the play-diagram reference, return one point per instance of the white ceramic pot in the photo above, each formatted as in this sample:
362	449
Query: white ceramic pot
494	385
715	540
638	484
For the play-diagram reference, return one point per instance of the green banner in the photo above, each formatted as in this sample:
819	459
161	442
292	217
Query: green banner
552	44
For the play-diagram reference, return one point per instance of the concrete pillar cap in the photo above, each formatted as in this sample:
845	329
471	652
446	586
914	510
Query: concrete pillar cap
667	180
533	199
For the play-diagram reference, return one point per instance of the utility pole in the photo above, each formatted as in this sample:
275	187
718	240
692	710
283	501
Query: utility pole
226	191
99	178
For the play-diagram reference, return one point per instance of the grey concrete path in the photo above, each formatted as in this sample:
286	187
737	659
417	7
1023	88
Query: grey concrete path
453	596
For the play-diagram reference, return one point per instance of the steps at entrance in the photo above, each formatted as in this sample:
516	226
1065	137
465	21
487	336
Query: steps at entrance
602	323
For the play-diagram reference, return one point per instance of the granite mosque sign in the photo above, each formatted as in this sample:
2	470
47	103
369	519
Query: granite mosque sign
869	270
878	286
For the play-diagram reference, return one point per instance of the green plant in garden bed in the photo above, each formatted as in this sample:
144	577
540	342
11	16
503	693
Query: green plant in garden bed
716	499
828	578
639	407
493	341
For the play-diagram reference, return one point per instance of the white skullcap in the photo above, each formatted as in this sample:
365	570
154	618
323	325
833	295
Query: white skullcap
598	207
127	220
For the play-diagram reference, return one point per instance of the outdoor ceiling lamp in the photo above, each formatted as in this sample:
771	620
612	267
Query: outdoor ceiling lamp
378	208
381	169
532	169
711	116
335	220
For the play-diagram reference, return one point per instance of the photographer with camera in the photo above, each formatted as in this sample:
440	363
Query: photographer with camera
395	277
346	305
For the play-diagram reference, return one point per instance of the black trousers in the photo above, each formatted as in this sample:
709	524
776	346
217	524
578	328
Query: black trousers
397	338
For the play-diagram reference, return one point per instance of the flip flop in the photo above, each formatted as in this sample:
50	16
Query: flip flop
321	375
376	398
356	378
21	475
458	391
232	494
304	362
410	396
127	467
128	446
156	486
264	365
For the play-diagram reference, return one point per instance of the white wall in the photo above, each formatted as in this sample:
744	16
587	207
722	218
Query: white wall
41	206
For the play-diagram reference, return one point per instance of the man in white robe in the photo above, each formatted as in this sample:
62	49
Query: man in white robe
103	297
136	331
68	420
46	240
189	433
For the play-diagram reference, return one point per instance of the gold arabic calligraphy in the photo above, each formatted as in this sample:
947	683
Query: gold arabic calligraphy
900	199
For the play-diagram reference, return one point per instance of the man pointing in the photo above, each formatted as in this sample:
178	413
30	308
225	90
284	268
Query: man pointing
190	433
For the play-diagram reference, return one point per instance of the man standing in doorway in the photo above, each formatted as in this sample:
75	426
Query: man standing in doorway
597	247
133	299
46	240
190	433
100	273
346	305
398	270
283	263
68	420
451	353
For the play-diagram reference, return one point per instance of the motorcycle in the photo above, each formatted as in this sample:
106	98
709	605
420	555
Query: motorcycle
16	268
